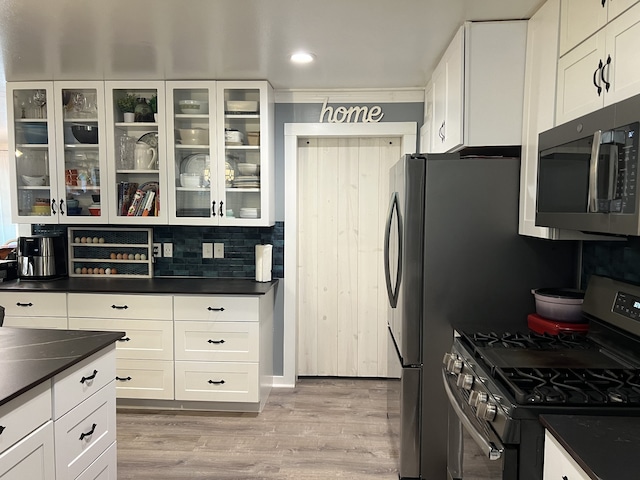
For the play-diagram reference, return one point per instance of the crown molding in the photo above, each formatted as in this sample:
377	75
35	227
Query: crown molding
400	95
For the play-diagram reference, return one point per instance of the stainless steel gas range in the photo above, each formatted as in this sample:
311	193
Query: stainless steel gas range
498	383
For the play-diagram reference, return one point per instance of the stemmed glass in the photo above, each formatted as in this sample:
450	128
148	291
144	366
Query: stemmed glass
40	99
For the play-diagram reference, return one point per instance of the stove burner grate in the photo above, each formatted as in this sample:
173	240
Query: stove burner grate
573	386
538	341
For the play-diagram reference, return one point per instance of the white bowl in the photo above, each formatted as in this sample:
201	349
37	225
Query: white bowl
244	106
248	168
190	180
193	106
34	181
194	136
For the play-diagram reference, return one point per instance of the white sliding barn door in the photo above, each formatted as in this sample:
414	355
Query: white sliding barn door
343	195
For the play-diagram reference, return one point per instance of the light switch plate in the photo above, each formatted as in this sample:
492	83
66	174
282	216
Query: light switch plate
218	250
207	250
157	250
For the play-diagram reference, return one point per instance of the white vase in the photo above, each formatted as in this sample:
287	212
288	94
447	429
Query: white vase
129	117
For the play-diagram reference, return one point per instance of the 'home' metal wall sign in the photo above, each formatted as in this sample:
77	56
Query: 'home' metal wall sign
354	114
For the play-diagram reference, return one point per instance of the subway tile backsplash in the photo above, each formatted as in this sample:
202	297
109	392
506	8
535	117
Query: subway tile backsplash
619	260
239	249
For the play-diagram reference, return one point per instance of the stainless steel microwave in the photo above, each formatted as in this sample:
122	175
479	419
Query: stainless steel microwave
588	172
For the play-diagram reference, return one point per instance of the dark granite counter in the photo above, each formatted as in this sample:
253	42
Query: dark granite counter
165	285
29	357
605	447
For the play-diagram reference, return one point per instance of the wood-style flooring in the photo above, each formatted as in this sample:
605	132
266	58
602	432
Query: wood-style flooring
324	428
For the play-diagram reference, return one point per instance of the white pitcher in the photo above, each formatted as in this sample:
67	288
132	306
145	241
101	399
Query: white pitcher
145	156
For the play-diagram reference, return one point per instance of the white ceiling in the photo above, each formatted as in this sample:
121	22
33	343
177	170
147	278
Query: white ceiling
358	43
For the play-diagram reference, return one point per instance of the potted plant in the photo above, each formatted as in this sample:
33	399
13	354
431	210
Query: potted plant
153	103
127	105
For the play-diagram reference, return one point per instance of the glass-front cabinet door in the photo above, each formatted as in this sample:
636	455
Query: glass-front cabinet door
81	151
136	152
245	173
32	153
192	163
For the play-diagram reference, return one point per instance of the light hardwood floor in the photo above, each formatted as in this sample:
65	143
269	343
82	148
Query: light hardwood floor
325	428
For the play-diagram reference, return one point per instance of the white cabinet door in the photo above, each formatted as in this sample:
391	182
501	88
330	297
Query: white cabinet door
32	153
579	20
622	41
137	154
81	151
616	7
580	88
245	151
448	100
426	131
558	464
192	154
32	458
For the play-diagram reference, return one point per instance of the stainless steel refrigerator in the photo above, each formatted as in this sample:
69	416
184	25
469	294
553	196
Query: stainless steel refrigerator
453	256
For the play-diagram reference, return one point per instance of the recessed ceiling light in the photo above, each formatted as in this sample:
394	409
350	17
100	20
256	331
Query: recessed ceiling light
302	57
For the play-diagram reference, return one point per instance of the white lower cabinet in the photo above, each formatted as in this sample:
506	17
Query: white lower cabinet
223	348
145	353
104	468
558	464
26	442
32	458
34	309
84	413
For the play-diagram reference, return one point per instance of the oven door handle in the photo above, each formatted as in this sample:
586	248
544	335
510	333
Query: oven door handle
492	449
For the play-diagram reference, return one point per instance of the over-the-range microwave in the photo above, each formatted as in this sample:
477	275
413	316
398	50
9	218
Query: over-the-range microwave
588	172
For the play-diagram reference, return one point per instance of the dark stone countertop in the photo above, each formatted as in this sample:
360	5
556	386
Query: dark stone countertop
165	285
30	356
605	447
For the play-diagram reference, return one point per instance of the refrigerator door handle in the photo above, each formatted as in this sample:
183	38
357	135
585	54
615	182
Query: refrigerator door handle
393	291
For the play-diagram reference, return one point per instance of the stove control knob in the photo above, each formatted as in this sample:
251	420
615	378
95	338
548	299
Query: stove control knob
465	381
476	398
452	363
487	411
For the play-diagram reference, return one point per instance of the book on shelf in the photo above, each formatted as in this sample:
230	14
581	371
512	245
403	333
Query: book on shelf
135	203
148	203
126	194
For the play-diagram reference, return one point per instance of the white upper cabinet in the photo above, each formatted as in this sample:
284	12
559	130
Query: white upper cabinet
427	126
579	19
245	151
32	153
480	74
136	147
191	146
601	70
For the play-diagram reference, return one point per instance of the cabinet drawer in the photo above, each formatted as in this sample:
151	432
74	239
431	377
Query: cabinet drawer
104	468
217	381
36	322
34	304
144	379
79	382
150	339
217	341
85	432
216	308
32	458
24	414
154	307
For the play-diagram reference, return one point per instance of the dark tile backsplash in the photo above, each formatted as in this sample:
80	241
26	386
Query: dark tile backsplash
239	249
619	260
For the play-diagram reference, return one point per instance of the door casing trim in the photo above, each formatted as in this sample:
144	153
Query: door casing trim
407	131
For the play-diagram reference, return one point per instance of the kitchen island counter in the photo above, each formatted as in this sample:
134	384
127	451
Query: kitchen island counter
30	357
165	285
604	446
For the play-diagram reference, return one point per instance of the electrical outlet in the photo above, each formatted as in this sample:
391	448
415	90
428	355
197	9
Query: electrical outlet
167	249
207	250
218	250
157	250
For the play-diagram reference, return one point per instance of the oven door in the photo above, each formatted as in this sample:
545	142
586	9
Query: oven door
474	449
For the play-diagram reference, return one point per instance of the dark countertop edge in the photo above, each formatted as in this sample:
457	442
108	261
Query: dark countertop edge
157	285
110	338
548	423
